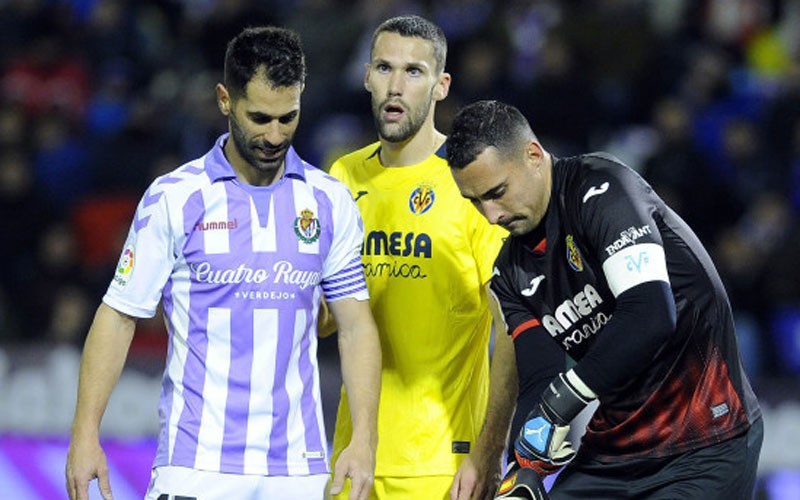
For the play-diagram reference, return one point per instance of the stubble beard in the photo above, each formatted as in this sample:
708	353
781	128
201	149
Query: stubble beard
240	142
406	128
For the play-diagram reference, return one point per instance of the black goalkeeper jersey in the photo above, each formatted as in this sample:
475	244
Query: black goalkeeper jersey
605	233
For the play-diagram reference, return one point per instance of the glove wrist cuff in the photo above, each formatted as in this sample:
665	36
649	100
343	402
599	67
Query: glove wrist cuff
563	400
580	386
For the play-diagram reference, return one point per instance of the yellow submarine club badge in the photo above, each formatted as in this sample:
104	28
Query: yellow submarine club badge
421	199
307	227
573	254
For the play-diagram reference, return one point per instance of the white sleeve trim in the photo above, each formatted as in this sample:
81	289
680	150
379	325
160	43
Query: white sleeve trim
580	385
635	265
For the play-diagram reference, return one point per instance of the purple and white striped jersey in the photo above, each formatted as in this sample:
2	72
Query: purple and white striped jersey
241	270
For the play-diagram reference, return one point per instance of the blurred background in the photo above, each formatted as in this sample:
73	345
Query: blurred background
97	97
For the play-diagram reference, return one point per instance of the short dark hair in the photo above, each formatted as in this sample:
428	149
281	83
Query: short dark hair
483	124
416	26
278	50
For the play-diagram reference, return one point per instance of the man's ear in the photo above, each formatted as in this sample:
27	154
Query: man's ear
442	87
366	78
535	153
535	149
223	99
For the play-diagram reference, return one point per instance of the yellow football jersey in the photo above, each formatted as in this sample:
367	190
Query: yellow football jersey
427	256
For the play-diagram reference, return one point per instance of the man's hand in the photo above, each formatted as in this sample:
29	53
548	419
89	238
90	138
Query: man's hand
475	479
356	462
541	442
86	461
541	445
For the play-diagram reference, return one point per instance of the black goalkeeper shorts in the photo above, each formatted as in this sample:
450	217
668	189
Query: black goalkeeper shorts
726	471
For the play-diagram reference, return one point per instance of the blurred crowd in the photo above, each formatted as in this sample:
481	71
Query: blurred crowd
97	97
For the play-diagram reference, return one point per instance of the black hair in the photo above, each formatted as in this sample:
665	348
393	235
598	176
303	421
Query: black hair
278	50
485	124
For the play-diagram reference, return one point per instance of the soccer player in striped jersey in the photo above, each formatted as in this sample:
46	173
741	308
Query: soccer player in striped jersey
240	245
428	259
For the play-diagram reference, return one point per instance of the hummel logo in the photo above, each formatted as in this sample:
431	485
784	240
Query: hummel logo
593	191
534	286
215	225
359	195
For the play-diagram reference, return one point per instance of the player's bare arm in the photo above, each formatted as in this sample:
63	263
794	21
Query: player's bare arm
103	358
480	473
360	354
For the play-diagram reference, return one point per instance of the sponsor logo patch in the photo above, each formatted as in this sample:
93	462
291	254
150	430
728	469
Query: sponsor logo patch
125	267
583	306
628	237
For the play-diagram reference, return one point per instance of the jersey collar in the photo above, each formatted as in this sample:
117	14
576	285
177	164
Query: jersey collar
441	152
219	168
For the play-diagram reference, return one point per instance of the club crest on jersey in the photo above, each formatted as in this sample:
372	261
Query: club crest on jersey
573	254
306	227
124	267
421	199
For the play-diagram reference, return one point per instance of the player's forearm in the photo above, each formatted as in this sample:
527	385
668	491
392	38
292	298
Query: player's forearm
503	388
360	355
102	361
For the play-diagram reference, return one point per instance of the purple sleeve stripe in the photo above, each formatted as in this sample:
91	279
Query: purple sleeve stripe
169	180
344	279
141	223
356	282
340	294
150	199
342	286
345	275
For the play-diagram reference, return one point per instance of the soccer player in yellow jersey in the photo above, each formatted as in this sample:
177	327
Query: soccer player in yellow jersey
428	256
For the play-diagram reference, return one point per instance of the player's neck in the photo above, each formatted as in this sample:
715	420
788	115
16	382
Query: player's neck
247	173
414	150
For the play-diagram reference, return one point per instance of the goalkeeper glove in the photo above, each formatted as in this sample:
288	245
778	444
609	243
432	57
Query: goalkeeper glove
521	484
541	444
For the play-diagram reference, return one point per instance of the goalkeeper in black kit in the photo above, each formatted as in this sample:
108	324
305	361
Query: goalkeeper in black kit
607	295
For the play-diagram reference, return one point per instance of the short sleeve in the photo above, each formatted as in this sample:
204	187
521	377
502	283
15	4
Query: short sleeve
147	259
343	274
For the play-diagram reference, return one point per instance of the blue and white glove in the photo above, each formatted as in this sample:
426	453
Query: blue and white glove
541	444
